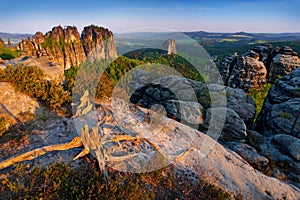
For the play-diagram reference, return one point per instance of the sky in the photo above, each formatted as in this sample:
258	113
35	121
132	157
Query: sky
20	16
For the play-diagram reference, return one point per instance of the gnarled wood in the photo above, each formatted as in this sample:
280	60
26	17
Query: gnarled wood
30	155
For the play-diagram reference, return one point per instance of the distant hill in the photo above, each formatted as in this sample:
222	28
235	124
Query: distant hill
238	36
15	38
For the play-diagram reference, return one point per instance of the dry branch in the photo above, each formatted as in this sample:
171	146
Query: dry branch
76	142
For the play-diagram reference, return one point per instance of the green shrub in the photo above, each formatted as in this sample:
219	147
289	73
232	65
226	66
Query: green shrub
4	125
50	42
70	75
285	115
259	96
31	81
8	54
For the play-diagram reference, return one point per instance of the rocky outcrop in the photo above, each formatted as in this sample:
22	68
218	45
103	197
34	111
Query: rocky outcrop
98	43
279	126
170	92
66	47
170	46
61	45
203	159
15	106
281	110
284	61
248	72
227	66
258	66
2	43
274	152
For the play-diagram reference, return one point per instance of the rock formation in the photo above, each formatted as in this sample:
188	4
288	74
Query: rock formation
15	105
9	43
281	110
184	147
66	47
248	72
279	126
190	102
274	145
2	43
283	62
227	66
98	42
170	46
259	65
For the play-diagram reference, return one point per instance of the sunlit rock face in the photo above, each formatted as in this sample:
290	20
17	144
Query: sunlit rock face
67	47
98	42
284	61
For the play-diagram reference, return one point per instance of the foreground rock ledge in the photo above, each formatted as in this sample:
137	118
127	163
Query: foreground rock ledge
217	166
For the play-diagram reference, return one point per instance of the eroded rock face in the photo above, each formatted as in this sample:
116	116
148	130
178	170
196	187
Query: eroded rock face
227	66
98	42
27	47
170	46
2	42
281	109
283	63
248	72
258	66
65	47
279	126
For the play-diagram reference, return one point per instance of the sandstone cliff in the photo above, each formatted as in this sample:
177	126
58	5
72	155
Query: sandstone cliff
98	42
66	47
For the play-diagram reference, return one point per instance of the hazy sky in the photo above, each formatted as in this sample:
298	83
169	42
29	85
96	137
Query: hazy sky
187	15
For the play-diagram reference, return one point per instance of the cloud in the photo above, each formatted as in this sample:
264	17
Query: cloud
142	9
201	8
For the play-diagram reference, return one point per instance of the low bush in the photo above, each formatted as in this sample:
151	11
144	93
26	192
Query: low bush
60	181
4	125
8	54
259	96
31	81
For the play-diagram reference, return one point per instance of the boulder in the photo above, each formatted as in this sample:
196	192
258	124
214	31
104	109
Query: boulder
203	158
234	128
249	153
193	103
242	104
16	107
289	145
